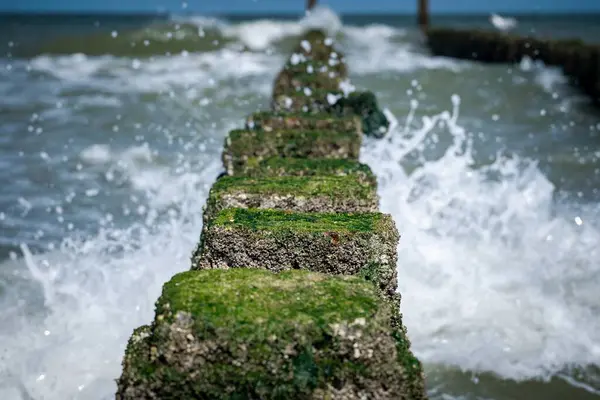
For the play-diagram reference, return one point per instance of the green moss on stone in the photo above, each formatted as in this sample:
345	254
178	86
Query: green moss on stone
337	243
277	166
138	344
361	104
251	334
364	105
317	67
271	121
290	82
298	193
321	47
314	101
243	146
276	220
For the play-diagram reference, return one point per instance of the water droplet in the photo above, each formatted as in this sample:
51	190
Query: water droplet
92	192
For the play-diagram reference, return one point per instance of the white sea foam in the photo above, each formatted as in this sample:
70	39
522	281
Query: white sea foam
493	276
198	71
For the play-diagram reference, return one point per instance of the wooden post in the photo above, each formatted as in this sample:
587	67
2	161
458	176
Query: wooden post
310	4
423	14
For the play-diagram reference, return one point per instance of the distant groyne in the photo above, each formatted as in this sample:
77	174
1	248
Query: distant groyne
579	61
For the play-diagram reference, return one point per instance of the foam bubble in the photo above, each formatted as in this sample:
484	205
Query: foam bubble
96	154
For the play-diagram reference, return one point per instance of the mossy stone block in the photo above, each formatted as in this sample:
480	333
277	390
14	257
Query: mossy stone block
316	45
306	101
253	146
272	121
334	243
364	105
252	334
299	65
277	166
296	193
290	82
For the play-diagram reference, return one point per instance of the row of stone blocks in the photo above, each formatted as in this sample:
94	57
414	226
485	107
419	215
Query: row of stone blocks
292	290
580	61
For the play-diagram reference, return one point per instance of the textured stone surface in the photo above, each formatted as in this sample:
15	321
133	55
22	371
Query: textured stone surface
252	146
297	193
316	45
272	121
277	166
310	80
294	193
363	105
334	243
252	334
289	82
309	101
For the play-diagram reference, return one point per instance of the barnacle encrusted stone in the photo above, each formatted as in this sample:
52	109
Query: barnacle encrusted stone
306	101
253	334
253	146
297	193
334	243
277	166
364	105
272	121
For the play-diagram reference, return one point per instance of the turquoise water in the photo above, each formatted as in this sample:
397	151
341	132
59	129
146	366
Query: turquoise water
110	139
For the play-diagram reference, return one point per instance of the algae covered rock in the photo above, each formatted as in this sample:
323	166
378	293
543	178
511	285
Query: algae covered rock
291	81
298	65
252	146
297	193
316	45
310	80
334	243
272	121
252	334
364	105
277	166
306	101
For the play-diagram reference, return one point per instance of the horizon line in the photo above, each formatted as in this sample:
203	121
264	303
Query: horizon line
283	13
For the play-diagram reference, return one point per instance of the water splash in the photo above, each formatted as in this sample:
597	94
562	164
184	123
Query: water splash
495	276
93	293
